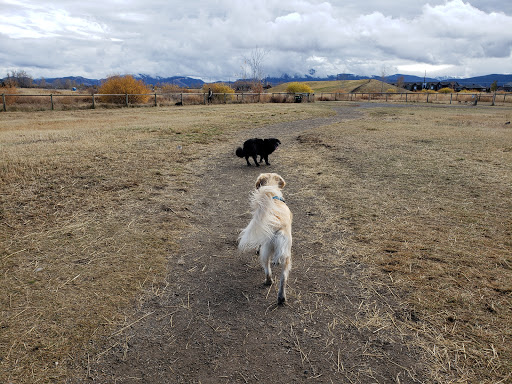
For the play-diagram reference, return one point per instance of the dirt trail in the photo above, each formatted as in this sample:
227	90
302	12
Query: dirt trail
216	323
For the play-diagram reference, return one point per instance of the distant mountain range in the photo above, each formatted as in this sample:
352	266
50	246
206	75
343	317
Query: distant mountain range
189	82
186	82
485	81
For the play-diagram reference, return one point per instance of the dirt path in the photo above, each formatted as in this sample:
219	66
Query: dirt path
216	323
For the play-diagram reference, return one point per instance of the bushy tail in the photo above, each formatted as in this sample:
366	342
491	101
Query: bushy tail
263	225
240	152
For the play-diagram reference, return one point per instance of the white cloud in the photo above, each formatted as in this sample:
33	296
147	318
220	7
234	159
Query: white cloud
210	38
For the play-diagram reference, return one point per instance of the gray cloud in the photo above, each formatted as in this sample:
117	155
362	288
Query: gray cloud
209	39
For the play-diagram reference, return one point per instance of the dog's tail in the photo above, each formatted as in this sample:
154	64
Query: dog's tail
240	152
264	223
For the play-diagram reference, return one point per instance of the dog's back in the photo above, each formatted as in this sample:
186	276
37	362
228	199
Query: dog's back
269	216
252	147
270	229
257	147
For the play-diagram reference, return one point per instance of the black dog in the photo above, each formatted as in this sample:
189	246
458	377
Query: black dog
254	147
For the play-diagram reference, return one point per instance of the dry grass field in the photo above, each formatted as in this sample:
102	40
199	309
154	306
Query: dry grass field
96	206
92	203
427	195
344	86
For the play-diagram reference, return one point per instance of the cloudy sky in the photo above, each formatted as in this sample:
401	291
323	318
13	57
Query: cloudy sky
210	39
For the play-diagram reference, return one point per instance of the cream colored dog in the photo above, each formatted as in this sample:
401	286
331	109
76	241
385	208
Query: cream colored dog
270	229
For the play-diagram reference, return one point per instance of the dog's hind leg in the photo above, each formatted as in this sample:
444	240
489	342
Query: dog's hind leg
282	255
283	247
265	252
281	295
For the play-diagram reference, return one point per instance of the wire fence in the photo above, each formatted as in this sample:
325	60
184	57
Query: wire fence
26	102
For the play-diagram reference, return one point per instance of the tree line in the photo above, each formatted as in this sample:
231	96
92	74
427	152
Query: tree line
21	79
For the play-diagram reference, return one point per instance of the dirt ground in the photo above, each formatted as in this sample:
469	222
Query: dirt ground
215	321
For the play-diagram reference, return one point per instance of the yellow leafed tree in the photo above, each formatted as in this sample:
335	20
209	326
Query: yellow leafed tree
297	87
121	85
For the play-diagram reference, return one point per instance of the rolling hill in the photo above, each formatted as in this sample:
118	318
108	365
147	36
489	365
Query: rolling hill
343	86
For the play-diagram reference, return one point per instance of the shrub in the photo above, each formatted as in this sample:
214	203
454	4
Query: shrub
173	88
10	89
170	88
193	99
446	90
297	87
278	98
220	88
257	87
124	85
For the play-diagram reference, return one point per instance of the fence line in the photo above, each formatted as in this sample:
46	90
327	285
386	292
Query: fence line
417	97
276	97
200	97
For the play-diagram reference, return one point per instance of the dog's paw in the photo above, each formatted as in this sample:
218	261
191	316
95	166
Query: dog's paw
281	300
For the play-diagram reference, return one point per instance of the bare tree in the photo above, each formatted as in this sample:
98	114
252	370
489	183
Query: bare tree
494	89
21	78
383	77
255	62
400	82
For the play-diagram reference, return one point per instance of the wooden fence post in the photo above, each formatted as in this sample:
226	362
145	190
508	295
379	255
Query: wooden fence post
451	96
93	102
126	95
181	98
155	99
51	100
3	101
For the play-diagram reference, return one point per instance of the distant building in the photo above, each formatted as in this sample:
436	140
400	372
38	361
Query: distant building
471	87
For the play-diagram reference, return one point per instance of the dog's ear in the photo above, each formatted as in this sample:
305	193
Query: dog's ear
280	182
262	180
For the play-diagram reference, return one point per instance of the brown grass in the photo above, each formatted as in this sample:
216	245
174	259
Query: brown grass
92	207
92	204
319	87
422	197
